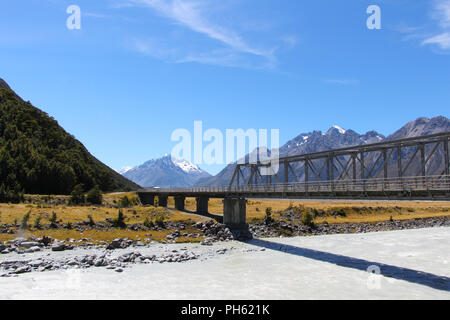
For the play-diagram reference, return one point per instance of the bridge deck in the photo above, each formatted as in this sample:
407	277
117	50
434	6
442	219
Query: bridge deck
428	188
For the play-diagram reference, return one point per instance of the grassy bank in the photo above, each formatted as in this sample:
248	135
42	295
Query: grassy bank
42	209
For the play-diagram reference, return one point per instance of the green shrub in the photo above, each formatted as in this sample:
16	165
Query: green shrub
94	196
124	202
77	195
37	222
148	223
53	220
268	218
91	220
308	219
26	217
119	222
12	192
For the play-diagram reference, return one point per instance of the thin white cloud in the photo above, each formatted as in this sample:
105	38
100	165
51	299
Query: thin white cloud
195	16
441	14
94	15
342	81
190	14
154	48
442	40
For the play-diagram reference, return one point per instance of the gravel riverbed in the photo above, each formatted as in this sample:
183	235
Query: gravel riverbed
402	264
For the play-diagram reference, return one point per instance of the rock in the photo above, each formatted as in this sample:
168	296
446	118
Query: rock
33	249
29	244
118	244
72	262
100	262
221	251
19	240
58	246
118	270
36	263
22	269
207	242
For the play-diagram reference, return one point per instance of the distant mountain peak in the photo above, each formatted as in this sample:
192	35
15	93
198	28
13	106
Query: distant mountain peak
166	171
336	127
185	165
124	169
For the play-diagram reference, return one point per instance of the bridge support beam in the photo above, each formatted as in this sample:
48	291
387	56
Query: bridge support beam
202	205
147	199
162	200
235	213
179	202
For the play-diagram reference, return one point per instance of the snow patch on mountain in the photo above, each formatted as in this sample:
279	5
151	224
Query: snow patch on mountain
185	165
124	169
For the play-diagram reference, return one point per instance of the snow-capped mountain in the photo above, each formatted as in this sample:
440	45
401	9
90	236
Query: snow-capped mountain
166	172
337	137
124	169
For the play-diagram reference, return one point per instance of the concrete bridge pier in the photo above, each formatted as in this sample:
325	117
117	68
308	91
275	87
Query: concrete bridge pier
235	212
147	199
202	205
162	200
235	217
179	202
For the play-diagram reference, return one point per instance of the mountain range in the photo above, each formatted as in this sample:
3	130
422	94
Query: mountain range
337	137
166	172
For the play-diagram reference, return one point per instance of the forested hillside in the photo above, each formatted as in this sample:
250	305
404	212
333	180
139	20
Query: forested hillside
38	156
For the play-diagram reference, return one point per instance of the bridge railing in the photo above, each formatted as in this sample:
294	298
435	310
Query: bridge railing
407	184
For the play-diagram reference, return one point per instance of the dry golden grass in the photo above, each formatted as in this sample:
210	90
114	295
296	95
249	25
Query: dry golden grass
375	210
11	213
355	212
100	236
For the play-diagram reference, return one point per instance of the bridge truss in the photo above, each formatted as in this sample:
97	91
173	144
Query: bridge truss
410	165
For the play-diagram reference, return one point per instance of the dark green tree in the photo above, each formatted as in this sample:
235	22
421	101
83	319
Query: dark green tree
77	195
94	196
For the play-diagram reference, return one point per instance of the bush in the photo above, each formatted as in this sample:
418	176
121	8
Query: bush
94	196
26	217
77	195
148	223
37	222
13	194
308	219
268	218
53	220
124	202
119	222
91	220
158	216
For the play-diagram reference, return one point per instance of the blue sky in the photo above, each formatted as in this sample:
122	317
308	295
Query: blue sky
139	69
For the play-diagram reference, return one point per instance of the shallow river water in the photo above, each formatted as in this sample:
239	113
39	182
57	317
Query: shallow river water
407	264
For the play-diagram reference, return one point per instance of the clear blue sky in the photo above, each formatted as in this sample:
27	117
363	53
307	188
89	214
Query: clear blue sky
139	69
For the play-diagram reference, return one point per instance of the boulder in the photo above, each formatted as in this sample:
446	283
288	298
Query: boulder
58	246
29	244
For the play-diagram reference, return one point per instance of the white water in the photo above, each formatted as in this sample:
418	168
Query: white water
320	267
